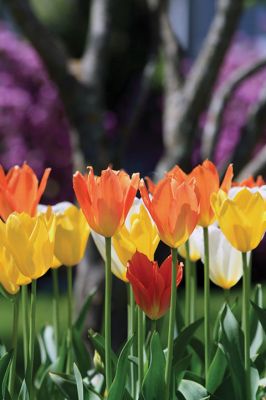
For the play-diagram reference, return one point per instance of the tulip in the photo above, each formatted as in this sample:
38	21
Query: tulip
138	233
195	242
105	200
19	190
10	276
225	261
250	182
29	242
207	183
174	208
243	222
151	284
241	219
72	232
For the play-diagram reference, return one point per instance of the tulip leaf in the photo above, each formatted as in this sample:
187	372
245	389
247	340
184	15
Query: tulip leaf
232	343
192	390
66	384
255	380
183	339
198	347
98	343
154	385
216	370
256	334
79	382
81	353
119	383
79	323
180	368
5	363
261	314
23	393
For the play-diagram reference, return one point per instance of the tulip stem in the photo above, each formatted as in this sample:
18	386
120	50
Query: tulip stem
206	302
246	321
153	326
140	347
193	291
130	333
32	336
25	322
56	307
14	346
188	283
107	314
70	305
168	369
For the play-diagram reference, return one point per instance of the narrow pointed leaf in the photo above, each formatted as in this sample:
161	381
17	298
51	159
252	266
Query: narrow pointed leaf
154	384
118	386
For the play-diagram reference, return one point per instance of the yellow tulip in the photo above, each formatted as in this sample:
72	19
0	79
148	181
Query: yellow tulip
139	235
72	232
50	219
241	219
10	276
27	239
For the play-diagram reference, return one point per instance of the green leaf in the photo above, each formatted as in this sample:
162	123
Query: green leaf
180	368
261	314
216	370
119	383
255	380
232	343
81	354
192	390
256	334
154	385
66	384
98	343
23	393
183	339
79	323
5	363
79	382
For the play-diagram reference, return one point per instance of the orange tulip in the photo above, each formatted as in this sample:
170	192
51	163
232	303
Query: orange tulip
174	208
152	285
19	190
251	182
207	183
105	200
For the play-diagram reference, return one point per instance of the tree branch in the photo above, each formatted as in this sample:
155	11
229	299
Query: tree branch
250	133
78	98
219	101
198	86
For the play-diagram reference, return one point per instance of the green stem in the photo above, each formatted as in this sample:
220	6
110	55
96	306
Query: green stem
131	331
32	336
193	291
206	302
227	296
14	346
25	323
70	305
246	322
140	347
188	286
169	359
56	307
107	314
153	326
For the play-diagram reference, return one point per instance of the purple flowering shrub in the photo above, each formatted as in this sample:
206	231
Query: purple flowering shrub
243	52
33	125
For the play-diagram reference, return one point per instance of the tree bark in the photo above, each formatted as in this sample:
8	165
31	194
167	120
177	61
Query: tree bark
194	96
210	134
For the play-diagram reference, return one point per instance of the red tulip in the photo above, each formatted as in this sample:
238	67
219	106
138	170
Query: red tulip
151	284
